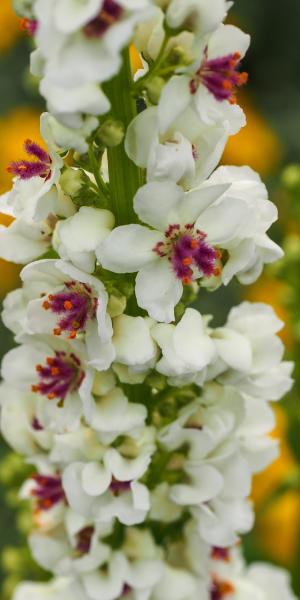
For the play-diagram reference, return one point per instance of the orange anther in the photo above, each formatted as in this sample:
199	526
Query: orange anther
217	271
46	305
34	388
227	85
50	361
51	297
194	244
72	335
38	368
57	331
51	396
54	371
68	305
225	587
187	261
186	280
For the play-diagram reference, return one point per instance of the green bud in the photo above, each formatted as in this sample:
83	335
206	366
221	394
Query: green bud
12	559
116	305
291	177
178	56
156	381
111	133
71	181
154	88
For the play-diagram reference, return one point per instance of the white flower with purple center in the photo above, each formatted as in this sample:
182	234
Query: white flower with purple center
58	298
189	232
55	370
36	194
48	499
209	85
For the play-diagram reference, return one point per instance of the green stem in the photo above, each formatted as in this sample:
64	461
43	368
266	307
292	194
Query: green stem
124	177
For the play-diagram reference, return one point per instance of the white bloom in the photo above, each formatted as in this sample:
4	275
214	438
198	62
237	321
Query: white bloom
202	16
274	583
48	499
77	237
57	589
59	298
251	353
22	242
72	137
188	230
186	347
112	415
202	88
110	488
34	195
55	370
186	153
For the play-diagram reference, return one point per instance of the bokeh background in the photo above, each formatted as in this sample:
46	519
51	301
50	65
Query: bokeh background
270	144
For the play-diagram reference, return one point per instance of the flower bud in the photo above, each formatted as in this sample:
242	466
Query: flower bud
154	88
291	177
71	181
111	133
116	305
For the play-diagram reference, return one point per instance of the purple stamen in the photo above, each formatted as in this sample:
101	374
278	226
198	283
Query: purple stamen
186	248
222	554
118	487
48	491
26	169
60	376
220	76
84	540
35	424
76	305
110	13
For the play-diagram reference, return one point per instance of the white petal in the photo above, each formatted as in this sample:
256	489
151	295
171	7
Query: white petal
95	478
158	291
128	248
157	203
175	98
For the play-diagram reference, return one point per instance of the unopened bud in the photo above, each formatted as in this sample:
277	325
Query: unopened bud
178	56
116	305
71	181
111	133
154	88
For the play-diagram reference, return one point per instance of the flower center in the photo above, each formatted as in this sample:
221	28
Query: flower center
110	13
29	26
48	491
26	169
75	305
221	589
118	487
84	540
222	554
186	248
220	76
60	375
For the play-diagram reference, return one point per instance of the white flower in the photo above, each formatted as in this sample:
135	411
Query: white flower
186	153
186	347
251	353
74	549
55	370
207	86
78	48
22	242
77	237
57	589
176	584
112	415
273	582
187	231
110	488
59	298
20	426
34	195
48	499
249	254
202	16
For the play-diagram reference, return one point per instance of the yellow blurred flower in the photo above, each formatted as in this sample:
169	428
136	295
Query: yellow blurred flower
9	25
15	127
255	145
135	59
278	526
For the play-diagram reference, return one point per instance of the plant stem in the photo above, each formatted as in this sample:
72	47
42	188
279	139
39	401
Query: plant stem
125	178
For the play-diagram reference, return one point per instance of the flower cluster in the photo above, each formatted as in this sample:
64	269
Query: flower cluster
143	422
